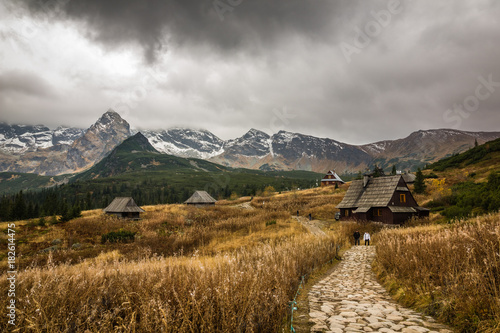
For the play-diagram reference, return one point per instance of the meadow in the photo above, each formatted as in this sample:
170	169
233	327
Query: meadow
230	268
236	266
450	271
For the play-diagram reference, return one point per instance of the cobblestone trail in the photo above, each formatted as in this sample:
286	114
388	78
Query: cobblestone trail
351	300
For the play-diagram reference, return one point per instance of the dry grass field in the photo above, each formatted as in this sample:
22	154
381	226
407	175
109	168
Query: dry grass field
449	271
222	269
235	267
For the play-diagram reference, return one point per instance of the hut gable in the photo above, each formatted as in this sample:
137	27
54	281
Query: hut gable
200	198
383	199
331	178
124	207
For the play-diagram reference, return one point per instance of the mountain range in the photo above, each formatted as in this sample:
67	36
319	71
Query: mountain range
39	150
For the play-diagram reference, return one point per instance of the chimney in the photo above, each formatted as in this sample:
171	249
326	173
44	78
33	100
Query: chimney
366	179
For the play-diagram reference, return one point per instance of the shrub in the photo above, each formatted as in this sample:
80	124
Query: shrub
121	236
268	223
41	222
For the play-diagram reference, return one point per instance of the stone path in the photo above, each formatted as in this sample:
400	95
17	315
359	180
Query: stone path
351	300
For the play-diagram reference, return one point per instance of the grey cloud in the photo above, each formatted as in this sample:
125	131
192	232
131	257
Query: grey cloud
24	82
158	24
227	76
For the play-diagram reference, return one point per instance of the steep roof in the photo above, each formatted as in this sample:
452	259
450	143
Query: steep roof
377	193
200	197
123	205
409	178
335	178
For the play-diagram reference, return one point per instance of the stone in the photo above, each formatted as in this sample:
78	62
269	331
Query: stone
351	300
392	317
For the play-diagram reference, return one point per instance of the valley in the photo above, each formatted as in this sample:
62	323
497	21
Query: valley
250	248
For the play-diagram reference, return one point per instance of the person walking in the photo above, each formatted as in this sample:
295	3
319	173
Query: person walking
357	235
366	237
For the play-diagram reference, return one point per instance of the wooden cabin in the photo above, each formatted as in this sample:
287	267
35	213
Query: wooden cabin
382	199
200	199
124	208
331	178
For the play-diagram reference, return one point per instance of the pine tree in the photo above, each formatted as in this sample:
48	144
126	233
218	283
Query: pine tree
378	172
19	209
419	182
393	171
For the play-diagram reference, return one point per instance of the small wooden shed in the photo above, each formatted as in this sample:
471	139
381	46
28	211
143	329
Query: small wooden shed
200	198
331	178
124	207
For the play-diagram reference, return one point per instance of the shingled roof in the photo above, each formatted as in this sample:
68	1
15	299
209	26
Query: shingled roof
123	205
335	178
377	193
200	197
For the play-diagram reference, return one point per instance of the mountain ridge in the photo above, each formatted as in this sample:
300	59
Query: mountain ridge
255	149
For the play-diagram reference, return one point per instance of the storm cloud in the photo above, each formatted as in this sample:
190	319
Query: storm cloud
227	26
354	71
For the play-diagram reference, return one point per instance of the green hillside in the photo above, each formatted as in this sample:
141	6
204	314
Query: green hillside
486	154
473	182
13	182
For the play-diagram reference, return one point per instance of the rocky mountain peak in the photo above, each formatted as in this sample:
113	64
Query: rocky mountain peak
111	120
105	134
254	133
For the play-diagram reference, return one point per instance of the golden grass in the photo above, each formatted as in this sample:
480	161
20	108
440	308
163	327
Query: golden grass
319	202
218	269
243	291
449	271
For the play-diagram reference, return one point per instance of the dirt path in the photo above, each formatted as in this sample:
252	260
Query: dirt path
312	225
246	205
351	300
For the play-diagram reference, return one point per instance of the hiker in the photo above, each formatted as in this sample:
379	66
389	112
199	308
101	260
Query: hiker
297	213
310	217
357	235
366	237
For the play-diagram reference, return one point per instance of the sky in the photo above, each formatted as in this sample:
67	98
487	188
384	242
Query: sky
355	71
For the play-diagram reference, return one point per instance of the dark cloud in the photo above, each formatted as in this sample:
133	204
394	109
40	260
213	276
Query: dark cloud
159	24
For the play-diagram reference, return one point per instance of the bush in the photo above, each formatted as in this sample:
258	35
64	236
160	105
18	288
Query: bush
268	223
41	222
122	236
432	175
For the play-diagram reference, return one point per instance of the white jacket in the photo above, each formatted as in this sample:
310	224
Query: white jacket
366	236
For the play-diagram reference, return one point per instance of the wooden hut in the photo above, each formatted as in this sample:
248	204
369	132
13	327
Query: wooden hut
200	198
331	178
124	208
382	199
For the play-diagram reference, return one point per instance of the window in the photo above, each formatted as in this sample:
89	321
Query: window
377	212
402	197
347	212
